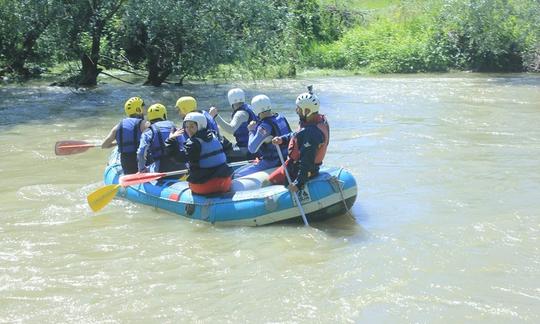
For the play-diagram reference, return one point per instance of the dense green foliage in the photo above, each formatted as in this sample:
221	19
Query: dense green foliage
167	39
171	40
23	26
416	36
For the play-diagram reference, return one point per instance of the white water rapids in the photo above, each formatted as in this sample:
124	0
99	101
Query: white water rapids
447	214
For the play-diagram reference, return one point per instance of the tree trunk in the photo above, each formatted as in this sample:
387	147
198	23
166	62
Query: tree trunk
18	64
291	70
18	68
156	78
181	80
156	73
90	70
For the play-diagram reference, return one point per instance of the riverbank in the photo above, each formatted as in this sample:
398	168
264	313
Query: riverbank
119	77
358	37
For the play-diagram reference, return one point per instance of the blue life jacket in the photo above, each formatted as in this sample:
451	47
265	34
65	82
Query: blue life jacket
212	154
128	135
279	126
242	134
160	132
182	139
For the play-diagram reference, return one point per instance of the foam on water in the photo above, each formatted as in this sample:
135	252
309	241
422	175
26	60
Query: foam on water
445	230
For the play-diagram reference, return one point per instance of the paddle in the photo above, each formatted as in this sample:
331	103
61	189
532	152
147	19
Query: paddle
133	179
295	194
72	147
137	178
102	196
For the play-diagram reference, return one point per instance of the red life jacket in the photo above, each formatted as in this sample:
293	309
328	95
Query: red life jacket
322	124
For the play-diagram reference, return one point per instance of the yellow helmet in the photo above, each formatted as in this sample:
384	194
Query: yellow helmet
157	111
186	105
133	106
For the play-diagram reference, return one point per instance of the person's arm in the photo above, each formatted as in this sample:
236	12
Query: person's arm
283	138
308	142
258	137
239	118
287	137
174	146
110	140
172	149
144	144
144	125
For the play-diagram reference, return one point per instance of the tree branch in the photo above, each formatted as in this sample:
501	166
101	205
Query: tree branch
112	76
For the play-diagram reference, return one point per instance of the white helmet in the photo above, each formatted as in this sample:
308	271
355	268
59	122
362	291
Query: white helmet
260	103
308	101
236	95
197	118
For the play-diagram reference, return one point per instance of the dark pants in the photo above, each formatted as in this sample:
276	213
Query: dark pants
236	154
129	162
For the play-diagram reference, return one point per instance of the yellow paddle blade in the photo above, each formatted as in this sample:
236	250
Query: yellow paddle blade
102	196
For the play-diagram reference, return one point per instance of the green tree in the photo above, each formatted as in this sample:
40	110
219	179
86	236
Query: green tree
484	35
192	38
80	31
23	23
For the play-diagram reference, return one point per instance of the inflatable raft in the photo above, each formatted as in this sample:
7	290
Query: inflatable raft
329	194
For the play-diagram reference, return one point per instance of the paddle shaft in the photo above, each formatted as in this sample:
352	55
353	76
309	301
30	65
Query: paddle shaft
137	178
295	194
79	146
72	147
167	174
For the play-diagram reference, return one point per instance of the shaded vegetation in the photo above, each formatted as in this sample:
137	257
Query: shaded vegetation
171	40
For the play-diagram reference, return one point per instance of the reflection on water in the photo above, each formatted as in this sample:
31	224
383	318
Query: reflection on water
446	220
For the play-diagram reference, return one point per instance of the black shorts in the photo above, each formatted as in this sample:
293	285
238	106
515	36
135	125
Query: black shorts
129	162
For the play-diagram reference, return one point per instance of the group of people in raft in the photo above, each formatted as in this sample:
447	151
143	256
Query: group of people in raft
156	145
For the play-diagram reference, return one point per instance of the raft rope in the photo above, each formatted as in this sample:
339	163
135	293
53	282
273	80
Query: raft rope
338	183
333	180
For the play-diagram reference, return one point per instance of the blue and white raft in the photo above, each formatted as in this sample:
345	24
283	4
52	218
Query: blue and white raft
331	193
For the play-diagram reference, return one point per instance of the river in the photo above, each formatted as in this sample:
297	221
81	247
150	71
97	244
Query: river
446	227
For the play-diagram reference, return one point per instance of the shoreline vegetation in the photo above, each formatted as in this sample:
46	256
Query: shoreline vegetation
172	41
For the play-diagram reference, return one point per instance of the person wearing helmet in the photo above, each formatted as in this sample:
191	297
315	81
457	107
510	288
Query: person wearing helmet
127	134
307	147
152	145
208	169
241	116
187	104
261	133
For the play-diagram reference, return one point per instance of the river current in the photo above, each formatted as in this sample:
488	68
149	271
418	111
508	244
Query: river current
446	227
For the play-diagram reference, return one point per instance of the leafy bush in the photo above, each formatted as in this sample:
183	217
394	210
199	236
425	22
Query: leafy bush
261	38
478	35
383	46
